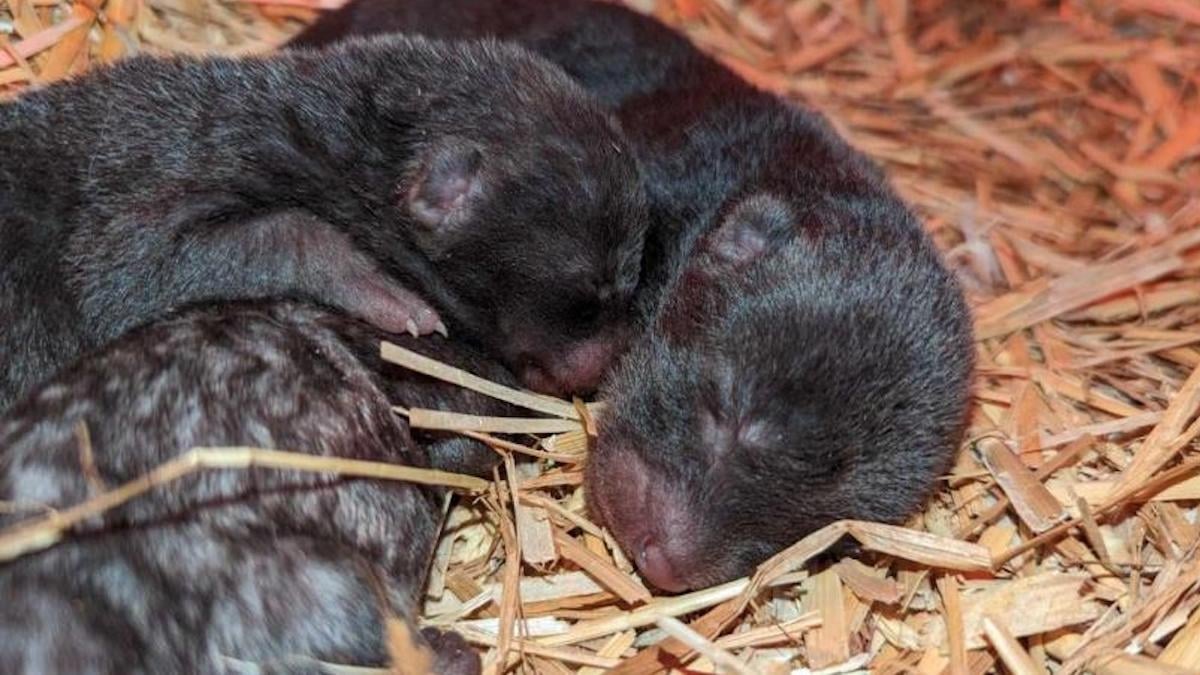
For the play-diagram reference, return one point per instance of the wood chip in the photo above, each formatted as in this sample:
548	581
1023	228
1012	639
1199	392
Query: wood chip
1052	151
1036	506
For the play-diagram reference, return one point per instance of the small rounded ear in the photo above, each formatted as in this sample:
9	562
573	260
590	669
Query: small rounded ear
446	192
746	233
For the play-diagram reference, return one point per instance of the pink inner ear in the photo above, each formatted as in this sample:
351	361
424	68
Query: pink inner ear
439	203
746	232
448	182
739	242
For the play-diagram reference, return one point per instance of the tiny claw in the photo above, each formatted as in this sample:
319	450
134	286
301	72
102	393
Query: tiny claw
411	327
440	329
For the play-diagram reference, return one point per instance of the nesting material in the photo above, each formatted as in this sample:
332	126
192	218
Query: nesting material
1053	150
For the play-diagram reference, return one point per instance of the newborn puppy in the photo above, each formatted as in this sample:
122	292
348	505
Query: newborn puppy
615	53
807	356
269	603
710	145
402	180
256	564
792	378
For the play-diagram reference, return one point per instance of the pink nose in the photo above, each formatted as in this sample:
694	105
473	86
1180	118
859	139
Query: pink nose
578	370
652	561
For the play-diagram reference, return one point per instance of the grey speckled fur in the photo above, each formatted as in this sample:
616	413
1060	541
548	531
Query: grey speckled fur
260	565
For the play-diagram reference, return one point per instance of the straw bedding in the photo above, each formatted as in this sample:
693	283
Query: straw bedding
1053	149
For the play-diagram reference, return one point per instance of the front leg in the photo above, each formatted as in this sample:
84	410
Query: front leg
139	267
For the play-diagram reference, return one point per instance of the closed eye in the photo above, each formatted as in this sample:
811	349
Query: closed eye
586	311
592	302
756	433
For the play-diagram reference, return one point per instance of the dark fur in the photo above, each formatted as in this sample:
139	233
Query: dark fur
824	377
808	362
707	141
447	451
362	176
260	565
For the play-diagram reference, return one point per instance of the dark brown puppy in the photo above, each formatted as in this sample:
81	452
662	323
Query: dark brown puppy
808	361
711	146
401	180
259	565
793	378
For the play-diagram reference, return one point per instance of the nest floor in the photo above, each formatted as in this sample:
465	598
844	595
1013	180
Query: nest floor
1053	150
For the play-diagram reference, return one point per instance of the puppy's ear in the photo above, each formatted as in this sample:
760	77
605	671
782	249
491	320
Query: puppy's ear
754	226
446	192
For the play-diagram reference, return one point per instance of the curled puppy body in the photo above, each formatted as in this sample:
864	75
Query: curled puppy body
791	380
184	598
709	144
215	550
807	353
402	180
